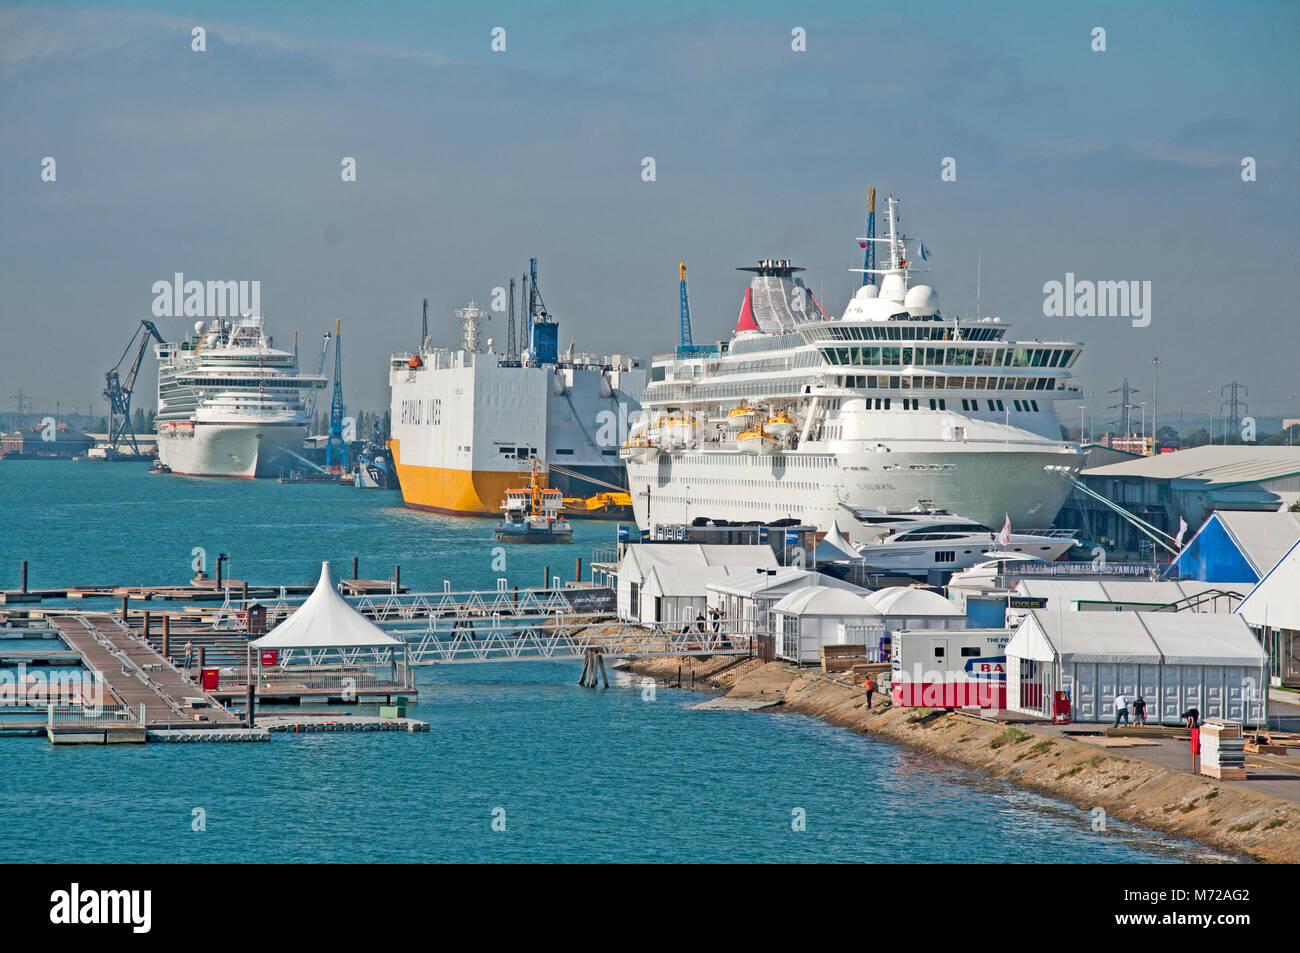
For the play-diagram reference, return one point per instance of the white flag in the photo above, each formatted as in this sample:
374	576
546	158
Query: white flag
1182	530
1004	537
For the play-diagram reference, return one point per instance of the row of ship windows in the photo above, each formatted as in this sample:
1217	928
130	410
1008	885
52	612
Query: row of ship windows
894	332
1021	406
927	382
793	460
913	403
951	356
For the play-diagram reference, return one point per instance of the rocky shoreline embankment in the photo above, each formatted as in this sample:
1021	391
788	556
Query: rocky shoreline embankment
1178	803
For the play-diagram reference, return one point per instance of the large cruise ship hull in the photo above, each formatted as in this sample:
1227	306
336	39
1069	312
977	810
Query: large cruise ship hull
229	449
984	486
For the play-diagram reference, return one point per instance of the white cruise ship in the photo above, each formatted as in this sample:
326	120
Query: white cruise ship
893	406
229	403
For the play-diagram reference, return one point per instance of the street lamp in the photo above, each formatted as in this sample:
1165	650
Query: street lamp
1082	408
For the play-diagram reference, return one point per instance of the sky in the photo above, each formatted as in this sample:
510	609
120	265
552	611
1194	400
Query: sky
1122	164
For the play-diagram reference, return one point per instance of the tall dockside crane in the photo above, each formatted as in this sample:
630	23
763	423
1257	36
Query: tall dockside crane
336	452
118	393
869	246
686	310
320	369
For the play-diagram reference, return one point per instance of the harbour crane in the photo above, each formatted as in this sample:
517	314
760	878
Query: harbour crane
120	429
336	451
686	310
320	369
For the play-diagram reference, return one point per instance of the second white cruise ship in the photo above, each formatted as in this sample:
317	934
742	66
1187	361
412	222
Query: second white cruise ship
893	406
229	403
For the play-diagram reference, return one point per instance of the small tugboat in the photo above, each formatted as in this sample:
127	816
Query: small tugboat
533	515
160	467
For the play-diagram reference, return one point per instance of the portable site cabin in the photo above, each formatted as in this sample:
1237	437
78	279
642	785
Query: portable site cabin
1174	660
814	616
910	607
949	669
665	582
749	594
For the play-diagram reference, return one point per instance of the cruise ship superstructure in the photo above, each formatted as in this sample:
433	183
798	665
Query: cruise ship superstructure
893	406
466	419
230	403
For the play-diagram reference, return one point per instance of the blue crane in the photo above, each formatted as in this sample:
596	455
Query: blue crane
336	452
686	310
120	429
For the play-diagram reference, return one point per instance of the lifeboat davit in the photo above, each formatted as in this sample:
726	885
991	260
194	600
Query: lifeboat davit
756	441
679	431
779	425
738	418
639	450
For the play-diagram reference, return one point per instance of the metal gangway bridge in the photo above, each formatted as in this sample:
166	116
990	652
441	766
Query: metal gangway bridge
501	625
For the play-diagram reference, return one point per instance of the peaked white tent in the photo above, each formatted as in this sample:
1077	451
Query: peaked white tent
328	631
834	547
326	621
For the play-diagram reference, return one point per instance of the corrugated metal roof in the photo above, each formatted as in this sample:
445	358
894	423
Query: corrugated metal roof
1214	466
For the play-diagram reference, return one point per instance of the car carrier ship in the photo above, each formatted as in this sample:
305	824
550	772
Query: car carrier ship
467	420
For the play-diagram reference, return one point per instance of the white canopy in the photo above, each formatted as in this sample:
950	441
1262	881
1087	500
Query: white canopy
325	621
911	602
1275	602
834	547
824	600
1135	638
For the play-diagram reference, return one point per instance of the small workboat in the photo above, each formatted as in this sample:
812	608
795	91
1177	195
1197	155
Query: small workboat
532	514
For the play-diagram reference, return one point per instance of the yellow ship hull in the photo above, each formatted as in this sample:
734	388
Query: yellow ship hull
454	492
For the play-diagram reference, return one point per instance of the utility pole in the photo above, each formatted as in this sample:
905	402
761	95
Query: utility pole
1155	391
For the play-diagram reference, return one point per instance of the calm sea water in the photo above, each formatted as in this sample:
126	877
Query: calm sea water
575	774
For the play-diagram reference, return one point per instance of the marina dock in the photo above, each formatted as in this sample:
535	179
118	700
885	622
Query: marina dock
137	677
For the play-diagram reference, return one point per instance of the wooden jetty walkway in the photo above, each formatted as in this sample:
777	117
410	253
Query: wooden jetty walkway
137	675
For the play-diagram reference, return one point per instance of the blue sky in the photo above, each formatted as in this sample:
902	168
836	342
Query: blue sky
225	164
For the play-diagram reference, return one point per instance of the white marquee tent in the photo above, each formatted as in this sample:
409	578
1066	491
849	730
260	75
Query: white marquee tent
1174	660
327	630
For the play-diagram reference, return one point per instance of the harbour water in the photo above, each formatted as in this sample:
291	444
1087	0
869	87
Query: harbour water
572	774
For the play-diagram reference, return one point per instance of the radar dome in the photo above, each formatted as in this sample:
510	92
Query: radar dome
198	327
922	301
870	308
866	291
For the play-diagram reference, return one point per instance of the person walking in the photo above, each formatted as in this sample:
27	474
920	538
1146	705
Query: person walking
1121	709
870	686
1139	711
189	654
